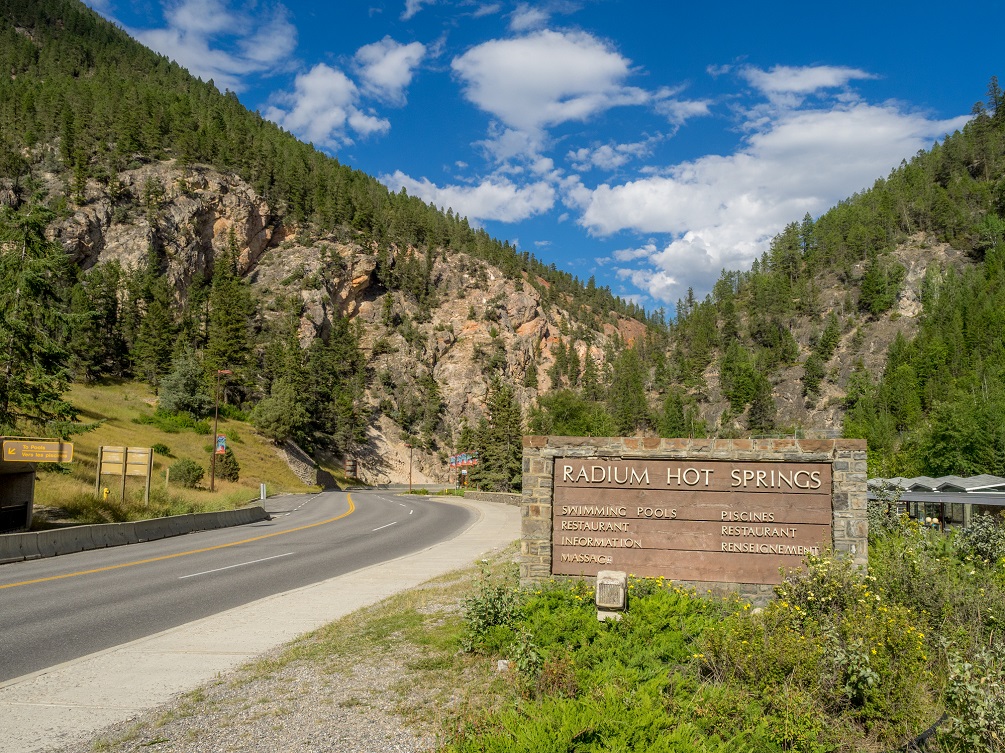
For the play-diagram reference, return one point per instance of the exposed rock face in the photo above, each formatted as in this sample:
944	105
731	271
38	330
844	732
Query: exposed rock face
481	326
188	212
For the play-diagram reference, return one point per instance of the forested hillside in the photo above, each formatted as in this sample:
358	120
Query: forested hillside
155	229
204	238
888	311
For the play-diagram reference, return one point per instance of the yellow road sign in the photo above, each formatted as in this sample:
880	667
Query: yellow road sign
37	451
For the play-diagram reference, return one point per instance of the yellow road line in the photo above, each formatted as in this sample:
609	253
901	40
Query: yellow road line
352	508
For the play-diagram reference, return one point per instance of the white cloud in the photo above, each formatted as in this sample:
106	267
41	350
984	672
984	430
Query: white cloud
386	68
789	85
488	9
323	108
784	79
721	211
494	198
414	6
214	41
527	17
544	79
679	111
609	156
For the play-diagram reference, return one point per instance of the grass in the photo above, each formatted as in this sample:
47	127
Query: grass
412	638
67	493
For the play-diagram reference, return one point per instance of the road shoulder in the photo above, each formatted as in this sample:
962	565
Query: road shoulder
69	703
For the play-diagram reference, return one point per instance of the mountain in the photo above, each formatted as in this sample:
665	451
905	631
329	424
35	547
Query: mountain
357	319
202	238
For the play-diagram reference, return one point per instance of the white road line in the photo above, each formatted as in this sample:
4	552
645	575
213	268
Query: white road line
387	526
229	567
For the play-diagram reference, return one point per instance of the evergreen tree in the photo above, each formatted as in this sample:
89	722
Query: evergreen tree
333	388
500	442
96	341
679	418
184	389
626	396
34	273
282	414
155	338
761	417
231	315
813	374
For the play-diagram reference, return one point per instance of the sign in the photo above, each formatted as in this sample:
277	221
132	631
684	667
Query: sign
37	451
221	444
695	520
125	461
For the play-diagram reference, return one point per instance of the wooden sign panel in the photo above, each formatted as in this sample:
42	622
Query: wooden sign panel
37	451
700	520
134	461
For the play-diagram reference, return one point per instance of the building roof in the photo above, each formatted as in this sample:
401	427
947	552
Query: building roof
984	483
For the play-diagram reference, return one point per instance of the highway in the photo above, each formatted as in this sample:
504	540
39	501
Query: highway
57	609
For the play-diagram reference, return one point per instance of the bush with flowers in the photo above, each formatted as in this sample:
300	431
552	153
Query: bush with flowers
843	659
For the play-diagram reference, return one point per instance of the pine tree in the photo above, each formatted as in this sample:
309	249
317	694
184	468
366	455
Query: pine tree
184	389
500	441
231	314
34	272
282	414
154	343
627	394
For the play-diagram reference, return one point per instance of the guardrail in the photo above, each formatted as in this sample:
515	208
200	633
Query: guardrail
15	547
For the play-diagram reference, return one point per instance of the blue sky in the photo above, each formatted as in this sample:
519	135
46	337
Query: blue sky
649	144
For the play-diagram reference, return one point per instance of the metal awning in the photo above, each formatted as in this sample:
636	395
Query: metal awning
972	498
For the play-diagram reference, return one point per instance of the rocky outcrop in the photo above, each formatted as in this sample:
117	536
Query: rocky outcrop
480	326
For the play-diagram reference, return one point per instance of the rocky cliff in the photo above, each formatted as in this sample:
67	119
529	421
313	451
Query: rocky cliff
482	325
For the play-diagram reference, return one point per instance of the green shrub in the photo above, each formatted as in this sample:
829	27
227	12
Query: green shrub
975	701
227	467
173	423
984	539
161	449
490	614
187	472
832	640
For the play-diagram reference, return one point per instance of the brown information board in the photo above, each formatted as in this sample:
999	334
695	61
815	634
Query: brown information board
696	520
37	451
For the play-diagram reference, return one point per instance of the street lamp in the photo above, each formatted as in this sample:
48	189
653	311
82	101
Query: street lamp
409	467
216	435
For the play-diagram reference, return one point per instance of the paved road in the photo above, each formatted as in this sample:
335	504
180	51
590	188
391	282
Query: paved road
58	609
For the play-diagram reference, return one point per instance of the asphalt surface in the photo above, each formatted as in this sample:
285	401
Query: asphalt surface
58	609
69	703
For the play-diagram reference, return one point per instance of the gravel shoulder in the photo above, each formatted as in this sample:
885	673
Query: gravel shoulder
385	678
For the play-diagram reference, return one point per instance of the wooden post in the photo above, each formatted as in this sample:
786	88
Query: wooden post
125	457
150	473
97	477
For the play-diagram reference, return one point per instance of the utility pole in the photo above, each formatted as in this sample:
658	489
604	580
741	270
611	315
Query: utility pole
409	446
216	435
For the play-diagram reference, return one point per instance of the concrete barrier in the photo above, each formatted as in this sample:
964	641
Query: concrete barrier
28	544
10	549
113	534
181	524
151	530
15	547
65	540
209	521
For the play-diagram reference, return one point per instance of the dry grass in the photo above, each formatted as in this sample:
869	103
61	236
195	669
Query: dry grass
115	405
